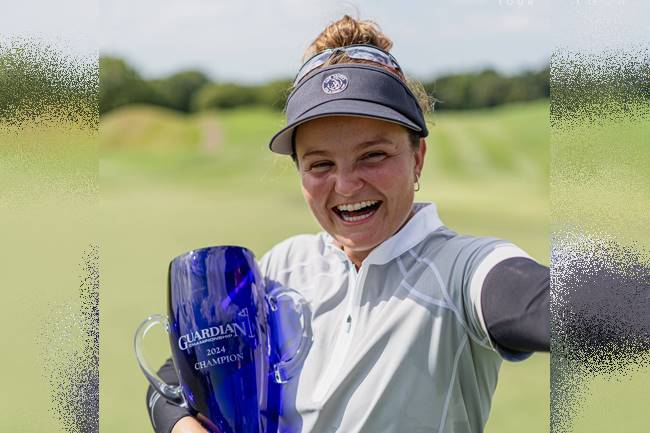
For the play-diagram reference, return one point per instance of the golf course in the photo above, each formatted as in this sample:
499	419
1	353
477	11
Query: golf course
171	182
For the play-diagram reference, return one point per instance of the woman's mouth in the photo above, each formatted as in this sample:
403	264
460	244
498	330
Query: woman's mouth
354	213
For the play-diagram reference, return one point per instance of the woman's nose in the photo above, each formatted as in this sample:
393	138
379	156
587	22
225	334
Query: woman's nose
347	182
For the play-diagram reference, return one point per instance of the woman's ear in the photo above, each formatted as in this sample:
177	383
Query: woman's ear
419	156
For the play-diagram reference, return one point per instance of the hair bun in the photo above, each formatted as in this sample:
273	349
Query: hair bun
349	31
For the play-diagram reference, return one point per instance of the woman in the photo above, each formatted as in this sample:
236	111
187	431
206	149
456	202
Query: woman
410	320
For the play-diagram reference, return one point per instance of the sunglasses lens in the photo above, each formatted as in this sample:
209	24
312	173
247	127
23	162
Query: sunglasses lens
368	53
313	63
374	55
360	55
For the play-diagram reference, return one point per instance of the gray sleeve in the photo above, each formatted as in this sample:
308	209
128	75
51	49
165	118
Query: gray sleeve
478	257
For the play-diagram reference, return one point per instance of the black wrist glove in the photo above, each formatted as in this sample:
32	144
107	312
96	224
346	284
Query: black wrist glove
163	413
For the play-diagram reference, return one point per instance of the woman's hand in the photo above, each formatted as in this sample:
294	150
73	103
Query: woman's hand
188	424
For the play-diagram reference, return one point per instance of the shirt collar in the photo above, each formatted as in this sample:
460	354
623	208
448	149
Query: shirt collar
425	221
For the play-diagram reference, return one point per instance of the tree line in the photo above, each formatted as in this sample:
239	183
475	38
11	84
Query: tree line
192	90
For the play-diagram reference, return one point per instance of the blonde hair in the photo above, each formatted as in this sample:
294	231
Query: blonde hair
350	31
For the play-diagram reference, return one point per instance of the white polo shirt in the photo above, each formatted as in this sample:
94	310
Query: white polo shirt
400	345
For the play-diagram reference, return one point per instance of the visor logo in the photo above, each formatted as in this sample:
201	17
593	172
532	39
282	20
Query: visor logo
335	83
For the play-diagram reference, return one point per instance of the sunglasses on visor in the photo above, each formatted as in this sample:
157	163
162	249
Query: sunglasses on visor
357	52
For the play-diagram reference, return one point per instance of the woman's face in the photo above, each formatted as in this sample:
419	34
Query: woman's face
357	177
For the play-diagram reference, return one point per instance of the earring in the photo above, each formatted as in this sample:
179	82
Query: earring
417	182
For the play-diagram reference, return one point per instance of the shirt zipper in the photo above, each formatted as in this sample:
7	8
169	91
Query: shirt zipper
345	333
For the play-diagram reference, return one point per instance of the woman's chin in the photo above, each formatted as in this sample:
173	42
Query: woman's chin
358	243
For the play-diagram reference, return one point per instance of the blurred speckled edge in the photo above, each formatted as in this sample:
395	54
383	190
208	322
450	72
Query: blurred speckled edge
49	122
600	289
40	82
69	342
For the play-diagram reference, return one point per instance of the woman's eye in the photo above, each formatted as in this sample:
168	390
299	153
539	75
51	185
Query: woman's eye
374	156
320	166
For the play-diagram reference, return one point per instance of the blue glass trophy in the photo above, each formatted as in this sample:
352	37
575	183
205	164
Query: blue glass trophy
227	340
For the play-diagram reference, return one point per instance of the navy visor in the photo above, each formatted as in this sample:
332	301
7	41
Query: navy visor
349	90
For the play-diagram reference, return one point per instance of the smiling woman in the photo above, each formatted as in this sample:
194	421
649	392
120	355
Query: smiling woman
410	320
357	178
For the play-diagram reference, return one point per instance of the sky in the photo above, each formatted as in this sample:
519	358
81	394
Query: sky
257	40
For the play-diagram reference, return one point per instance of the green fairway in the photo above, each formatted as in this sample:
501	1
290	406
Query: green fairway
163	192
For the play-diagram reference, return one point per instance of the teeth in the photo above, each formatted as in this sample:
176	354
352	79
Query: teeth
356	218
355	206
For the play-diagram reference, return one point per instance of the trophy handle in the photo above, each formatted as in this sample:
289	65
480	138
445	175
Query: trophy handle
291	363
171	392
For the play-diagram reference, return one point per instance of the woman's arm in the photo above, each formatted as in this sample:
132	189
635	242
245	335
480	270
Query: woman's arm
515	303
604	306
165	416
